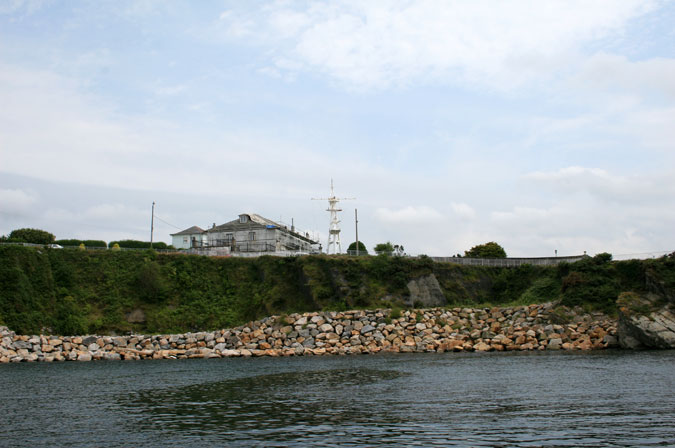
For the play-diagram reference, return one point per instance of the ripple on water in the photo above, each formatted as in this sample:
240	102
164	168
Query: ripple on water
312	402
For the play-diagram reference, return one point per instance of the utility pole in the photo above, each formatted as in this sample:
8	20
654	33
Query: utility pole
356	221
152	223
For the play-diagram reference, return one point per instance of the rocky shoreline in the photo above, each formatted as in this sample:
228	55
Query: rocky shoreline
534	327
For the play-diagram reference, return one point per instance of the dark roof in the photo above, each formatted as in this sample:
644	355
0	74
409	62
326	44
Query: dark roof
253	222
191	231
256	222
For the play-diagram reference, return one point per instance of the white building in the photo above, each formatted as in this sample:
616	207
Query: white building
249	234
192	237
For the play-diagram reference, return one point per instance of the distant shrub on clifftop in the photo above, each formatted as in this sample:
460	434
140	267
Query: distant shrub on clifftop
135	244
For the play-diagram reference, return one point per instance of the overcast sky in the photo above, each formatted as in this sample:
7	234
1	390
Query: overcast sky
542	125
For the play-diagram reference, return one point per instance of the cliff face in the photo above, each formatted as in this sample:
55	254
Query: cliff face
103	292
648	320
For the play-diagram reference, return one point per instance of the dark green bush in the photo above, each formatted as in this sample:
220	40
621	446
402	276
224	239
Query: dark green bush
351	250
487	250
33	236
151	284
135	244
87	243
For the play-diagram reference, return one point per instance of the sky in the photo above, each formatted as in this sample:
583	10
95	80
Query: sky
542	125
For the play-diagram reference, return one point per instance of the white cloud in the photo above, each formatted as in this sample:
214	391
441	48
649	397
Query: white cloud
378	44
16	201
463	210
591	209
410	214
642	189
26	6
615	72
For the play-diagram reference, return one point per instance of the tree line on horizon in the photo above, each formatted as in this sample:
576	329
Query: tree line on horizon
37	236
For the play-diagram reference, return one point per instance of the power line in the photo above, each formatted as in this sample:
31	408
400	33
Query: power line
646	253
168	223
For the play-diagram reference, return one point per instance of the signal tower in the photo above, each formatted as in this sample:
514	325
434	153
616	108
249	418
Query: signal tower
334	226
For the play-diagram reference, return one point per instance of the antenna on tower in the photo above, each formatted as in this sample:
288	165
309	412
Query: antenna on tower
334	226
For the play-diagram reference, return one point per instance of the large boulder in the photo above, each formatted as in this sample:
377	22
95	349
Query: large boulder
425	292
646	321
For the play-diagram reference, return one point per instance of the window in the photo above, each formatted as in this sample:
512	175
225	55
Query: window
243	219
251	236
185	239
229	237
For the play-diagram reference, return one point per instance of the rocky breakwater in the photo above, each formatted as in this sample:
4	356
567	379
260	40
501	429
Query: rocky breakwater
338	333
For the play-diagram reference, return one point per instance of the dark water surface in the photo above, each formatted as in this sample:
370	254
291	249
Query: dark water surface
610	398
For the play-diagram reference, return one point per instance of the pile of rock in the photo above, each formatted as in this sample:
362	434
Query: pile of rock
351	332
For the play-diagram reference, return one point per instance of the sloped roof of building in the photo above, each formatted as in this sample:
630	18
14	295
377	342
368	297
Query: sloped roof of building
254	219
264	221
191	231
236	224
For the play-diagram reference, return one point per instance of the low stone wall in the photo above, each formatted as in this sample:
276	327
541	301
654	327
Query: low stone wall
337	333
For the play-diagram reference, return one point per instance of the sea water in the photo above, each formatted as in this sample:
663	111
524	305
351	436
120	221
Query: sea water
579	399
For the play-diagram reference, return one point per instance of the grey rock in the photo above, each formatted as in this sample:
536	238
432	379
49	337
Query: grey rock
367	329
656	329
326	328
18	345
425	291
301	321
89	340
611	341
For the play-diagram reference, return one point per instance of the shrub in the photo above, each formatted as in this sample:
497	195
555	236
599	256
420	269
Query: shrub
351	250
384	248
395	312
487	250
150	282
602	258
88	243
135	244
33	236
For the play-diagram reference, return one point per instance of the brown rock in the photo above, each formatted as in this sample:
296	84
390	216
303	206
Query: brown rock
482	347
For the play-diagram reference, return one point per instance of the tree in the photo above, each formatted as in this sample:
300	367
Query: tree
351	250
487	250
33	236
384	248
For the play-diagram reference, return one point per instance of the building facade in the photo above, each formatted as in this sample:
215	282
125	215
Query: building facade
248	234
192	237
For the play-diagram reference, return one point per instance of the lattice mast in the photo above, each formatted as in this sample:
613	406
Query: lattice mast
333	245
